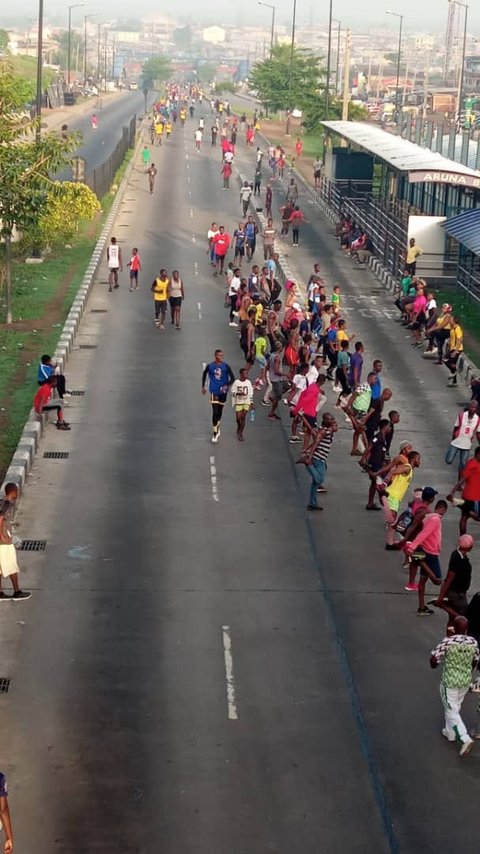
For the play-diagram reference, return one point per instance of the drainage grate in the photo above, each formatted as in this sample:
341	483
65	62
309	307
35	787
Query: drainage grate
56	455
99	310
33	545
87	346
4	685
77	393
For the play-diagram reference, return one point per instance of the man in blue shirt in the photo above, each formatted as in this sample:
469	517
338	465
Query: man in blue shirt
221	377
251	232
46	369
377	386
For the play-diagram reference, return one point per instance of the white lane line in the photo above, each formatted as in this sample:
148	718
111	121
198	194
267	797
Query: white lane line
196	267
227	654
199	310
194	238
188	178
188	165
191	213
186	157
213	479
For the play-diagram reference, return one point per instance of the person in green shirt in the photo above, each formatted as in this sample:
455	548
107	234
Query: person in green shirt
343	370
459	653
261	348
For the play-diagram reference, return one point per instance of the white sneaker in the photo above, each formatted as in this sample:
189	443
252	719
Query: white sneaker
466	747
215	438
448	735
232	323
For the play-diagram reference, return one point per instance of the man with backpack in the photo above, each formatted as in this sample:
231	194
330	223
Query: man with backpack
466	427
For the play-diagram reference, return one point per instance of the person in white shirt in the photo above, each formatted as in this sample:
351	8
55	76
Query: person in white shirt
212	231
466	427
114	261
201	123
299	384
198	139
242	400
228	157
245	196
233	290
314	370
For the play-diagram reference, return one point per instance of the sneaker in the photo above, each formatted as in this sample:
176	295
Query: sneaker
215	438
157	323
314	507
411	587
466	747
22	594
321	489
424	612
162	326
266	403
450	736
372	507
232	323
63	426
294	439
274	417
393	548
4	597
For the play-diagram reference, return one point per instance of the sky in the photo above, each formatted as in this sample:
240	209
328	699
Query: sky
427	16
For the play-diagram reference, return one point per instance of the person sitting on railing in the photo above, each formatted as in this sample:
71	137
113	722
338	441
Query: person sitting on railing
408	289
358	243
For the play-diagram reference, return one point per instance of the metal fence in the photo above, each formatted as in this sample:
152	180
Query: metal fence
101	179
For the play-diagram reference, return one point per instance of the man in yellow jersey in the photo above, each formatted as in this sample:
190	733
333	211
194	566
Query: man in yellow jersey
158	131
456	348
413	251
400	478
159	290
168	129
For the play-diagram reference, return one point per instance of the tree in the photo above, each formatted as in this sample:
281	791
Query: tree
4	39
206	72
283	84
155	71
314	112
68	204
26	164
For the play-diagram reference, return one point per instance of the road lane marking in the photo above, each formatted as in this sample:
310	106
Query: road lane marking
194	238
188	178
227	654
199	310
191	213
186	157
196	267
213	479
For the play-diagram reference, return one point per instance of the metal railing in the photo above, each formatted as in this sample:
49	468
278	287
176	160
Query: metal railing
101	179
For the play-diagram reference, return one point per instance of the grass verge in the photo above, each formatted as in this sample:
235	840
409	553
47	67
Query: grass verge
42	297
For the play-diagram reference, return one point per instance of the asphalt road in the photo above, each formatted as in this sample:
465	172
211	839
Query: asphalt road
117	735
97	145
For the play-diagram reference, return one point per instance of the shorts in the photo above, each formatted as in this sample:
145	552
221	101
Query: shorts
317	174
218	398
311	419
242	407
433	564
261	360
468	507
175	302
219	258
8	560
240	251
134	275
458	602
277	389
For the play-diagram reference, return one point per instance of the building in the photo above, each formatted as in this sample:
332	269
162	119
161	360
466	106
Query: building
214	35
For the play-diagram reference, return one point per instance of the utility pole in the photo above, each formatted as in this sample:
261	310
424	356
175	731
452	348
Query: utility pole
85	19
346	77
329	58
69	46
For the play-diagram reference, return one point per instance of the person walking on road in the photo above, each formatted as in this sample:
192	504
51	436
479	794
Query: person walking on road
221	242
465	429
152	174
159	289
429	540
226	171
146	156
242	397
114	262
316	457
469	482
134	266
8	555
198	139
221	377
459	654
296	218
176	295
245	196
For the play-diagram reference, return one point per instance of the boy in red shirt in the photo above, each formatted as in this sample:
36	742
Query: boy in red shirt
41	403
221	243
135	266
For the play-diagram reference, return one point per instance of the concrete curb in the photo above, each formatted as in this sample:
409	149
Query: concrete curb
29	442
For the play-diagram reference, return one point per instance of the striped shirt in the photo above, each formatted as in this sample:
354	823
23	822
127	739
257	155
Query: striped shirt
459	654
322	450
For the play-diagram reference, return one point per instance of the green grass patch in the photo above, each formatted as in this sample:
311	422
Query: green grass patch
35	286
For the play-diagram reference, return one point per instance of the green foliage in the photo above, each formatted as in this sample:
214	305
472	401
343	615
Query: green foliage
67	206
283	84
206	72
224	86
314	111
3	41
15	92
155	70
25	69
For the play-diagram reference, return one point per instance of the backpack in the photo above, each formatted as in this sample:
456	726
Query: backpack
404	521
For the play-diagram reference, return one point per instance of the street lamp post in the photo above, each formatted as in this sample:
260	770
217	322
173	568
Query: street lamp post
85	19
462	61
272	34
38	99
292	50
329	58
400	18
69	47
337	62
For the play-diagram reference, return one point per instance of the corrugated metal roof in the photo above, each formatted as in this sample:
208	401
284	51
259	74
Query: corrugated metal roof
466	229
400	153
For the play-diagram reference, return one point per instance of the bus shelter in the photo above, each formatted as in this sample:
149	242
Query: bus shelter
395	189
